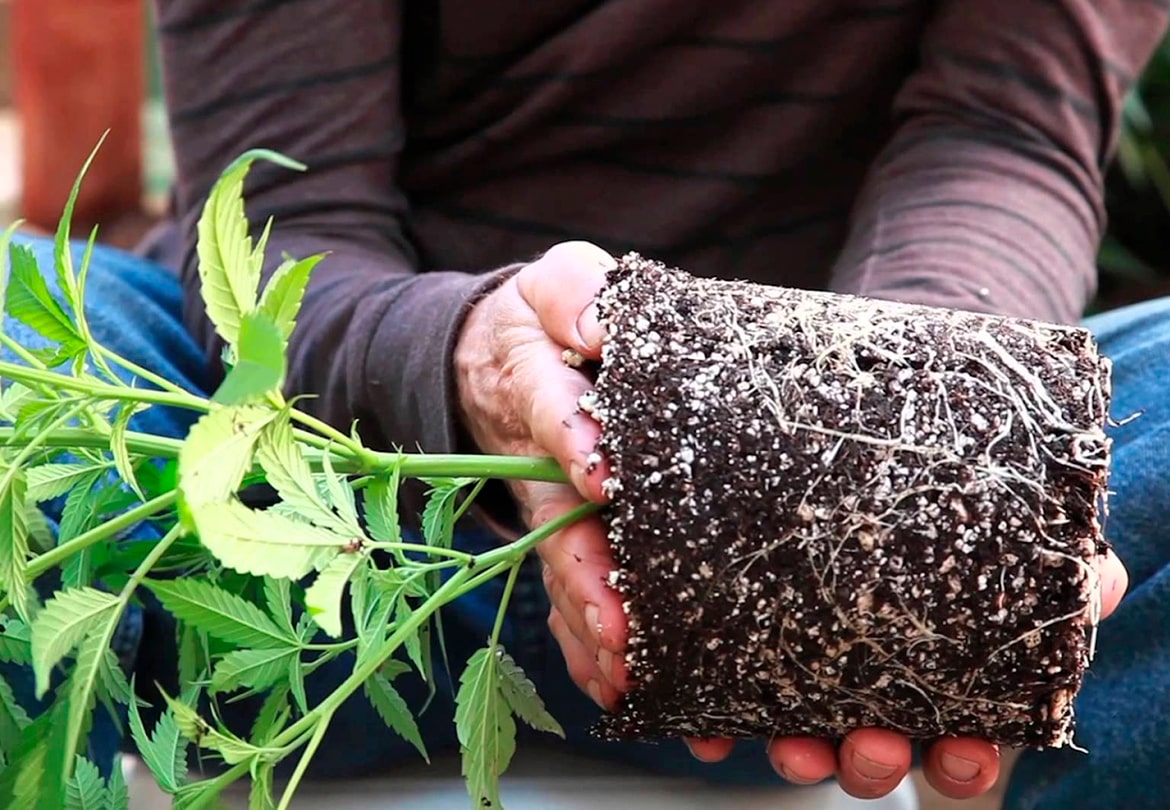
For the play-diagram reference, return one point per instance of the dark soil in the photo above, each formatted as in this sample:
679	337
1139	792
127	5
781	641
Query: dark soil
831	513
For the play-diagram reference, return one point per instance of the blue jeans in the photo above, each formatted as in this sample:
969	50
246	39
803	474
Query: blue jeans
134	308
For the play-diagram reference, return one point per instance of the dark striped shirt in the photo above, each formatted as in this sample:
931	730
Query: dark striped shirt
947	152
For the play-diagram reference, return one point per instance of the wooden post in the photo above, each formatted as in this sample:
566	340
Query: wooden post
79	71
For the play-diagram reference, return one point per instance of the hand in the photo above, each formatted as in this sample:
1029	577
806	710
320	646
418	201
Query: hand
517	396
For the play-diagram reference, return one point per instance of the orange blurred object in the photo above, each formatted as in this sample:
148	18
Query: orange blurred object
79	70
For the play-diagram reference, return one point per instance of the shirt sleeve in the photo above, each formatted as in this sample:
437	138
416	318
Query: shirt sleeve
989	195
320	82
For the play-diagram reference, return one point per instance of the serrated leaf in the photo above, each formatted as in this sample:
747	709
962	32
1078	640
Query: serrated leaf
273	715
394	711
288	472
218	453
85	790
264	543
49	481
40	534
219	613
117	792
296	684
285	290
251	669
260	792
20	781
414	642
5	241
486	730
324	597
121	452
63	259
66	619
439	514
15	642
520	692
164	751
76	703
278	599
30	302
13	718
260	363
15	396
80	507
112	681
229	271
340	493
231	748
14	536
382	508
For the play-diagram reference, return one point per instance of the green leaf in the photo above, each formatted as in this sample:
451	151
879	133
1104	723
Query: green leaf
81	507
5	241
218	452
260	364
382	508
273	715
439	514
264	543
49	481
117	792
15	642
287	471
13	718
121	452
86	790
339	491
40	534
394	711
164	751
251	669
21	781
14	534
112	682
14	397
521	695
486	730
278	598
285	290
231	748
77	703
66	619
30	302
260	792
219	613
323	598
229	271
63	258
296	684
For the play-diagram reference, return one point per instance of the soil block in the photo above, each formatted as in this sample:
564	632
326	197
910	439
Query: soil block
830	512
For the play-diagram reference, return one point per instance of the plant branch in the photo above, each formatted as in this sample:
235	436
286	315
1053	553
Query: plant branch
55	556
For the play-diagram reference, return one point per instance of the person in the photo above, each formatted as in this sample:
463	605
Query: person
473	168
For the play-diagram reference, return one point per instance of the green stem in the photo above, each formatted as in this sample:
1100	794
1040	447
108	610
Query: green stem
422	548
21	352
139	443
504	600
33	377
306	758
470	466
468	501
143	373
35	443
56	556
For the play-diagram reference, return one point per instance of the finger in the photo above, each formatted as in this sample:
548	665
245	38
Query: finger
872	762
579	559
803	760
611	665
960	768
581	664
561	287
1114	582
711	750
551	395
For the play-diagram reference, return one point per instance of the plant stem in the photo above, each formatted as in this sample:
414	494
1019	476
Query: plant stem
468	501
504	600
33	377
143	444
143	373
21	352
306	757
55	556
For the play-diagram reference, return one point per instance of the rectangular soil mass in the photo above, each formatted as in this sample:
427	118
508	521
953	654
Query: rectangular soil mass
831	512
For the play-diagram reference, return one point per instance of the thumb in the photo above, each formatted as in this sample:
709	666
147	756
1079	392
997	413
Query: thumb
561	287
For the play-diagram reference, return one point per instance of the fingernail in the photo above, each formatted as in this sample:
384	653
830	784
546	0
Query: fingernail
589	327
594	690
794	778
958	768
593	618
871	769
605	662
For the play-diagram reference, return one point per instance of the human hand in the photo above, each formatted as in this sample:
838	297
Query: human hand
517	396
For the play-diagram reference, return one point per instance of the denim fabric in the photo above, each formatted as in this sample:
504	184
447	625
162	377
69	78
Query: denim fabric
134	307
